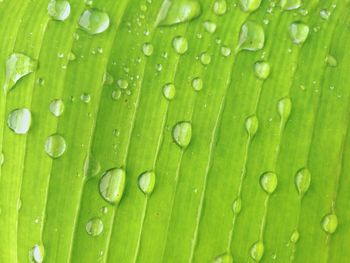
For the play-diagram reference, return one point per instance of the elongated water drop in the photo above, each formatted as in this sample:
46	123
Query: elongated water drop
197	84
147	49
290	4
182	133
237	206
55	145
146	182
2	159
257	251
91	166
94	227
295	236
59	9
268	182
94	21
179	11
180	44
252	37
298	32
330	223
249	5
169	91
36	254
302	181
19	120
112	185
284	108
57	107
220	7
17	66
223	258
251	125
262	69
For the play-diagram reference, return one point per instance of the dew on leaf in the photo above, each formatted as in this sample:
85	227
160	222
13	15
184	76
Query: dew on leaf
146	182
331	61
294	238
2	159
108	79
91	166
112	185
57	107
257	251
94	21
251	125
169	91
147	49
19	120
116	94
302	181
55	145
290	4
262	70
223	258
182	133
252	37
249	5
197	84
220	7
85	97
225	51
59	9
94	227
36	254
298	32
122	83
180	44
237	206
209	26
284	108
268	182
330	223
205	58
325	14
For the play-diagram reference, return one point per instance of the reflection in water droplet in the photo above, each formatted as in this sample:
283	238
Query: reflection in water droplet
302	181
250	5
19	120
262	69
223	258
330	223
169	91
182	133
57	107
251	125
268	182
146	182
112	185
94	21
220	7
147	49
298	32
59	9
197	84
180	44
55	145
94	227
252	37
290	4
257	251
36	254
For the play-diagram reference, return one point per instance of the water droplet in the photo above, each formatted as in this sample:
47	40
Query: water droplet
59	9
36	254
294	238
251	125
116	94
330	223
19	120
146	182
225	51
2	159
303	180
197	84
298	32
268	182
55	145
85	97
147	49
122	83
237	206
91	166
331	61
169	91
182	133
209	26
257	251
205	58
252	37
17	66
94	227
112	185
290	4
175	12
325	14
94	21
57	107
262	69
223	258
220	7
284	108
180	44
250	5
108	79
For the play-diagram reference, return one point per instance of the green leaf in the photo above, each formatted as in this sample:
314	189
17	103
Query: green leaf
174	131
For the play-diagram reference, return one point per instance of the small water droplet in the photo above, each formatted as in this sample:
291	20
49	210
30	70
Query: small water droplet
197	84
303	180
330	223
331	61
182	133
284	108
85	97
298	32
146	182
257	251
108	79
294	238
250	5
71	56
19	120
223	258
17	66
59	9
36	254
205	58
116	94
91	166
251	125
237	206
112	185
94	227
262	69
225	51
325	14
55	145
220	7
175	12
180	44
209	26
147	49
57	107
169	91
122	83
94	21
252	37
290	4
268	182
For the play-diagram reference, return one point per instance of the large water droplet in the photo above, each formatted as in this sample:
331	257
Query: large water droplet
298	32
262	69
55	145
290	4
268	182
17	66
36	254
19	120
91	166
284	108
252	37
223	258
94	227
94	21
179	11
180	44
57	107
182	133
146	182
303	180
257	251
59	9
147	49
112	185
330	223
220	7
169	91
251	125
250	5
